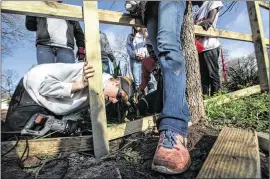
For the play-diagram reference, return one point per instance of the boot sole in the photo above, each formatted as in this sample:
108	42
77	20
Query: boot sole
165	170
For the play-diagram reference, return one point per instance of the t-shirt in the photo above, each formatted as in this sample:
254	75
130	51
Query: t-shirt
202	14
139	45
57	29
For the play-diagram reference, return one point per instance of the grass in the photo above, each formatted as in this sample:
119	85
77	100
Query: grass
250	112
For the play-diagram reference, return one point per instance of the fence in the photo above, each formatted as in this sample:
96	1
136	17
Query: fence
92	16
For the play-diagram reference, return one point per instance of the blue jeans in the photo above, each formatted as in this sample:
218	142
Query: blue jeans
136	69
106	66
152	85
50	54
164	20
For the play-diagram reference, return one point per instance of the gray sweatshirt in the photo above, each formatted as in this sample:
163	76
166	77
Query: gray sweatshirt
50	86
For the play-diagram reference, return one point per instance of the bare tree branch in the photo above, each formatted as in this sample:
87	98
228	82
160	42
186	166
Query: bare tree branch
13	31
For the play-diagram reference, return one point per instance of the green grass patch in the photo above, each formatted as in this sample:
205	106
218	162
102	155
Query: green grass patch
250	112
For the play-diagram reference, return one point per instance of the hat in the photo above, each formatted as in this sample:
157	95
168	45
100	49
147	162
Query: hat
128	86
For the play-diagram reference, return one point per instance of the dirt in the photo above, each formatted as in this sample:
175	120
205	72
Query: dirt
132	160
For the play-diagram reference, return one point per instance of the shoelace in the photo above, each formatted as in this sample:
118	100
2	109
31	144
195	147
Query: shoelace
169	139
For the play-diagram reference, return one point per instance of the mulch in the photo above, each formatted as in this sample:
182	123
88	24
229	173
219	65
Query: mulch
133	159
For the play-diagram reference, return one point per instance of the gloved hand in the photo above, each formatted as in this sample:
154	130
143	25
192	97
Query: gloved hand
81	54
205	25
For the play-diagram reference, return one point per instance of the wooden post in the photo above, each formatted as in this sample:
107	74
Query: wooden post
259	43
93	56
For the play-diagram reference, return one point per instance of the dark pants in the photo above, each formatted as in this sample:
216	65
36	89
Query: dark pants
210	71
148	65
50	54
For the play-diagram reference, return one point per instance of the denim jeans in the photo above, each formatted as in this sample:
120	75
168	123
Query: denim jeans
164	20
136	69
50	54
106	66
152	85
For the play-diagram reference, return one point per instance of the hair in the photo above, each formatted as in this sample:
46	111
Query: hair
134	31
117	81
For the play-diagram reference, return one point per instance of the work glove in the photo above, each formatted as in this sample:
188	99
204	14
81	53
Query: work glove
81	54
205	25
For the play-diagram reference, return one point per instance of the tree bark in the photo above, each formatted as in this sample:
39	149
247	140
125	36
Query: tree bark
194	90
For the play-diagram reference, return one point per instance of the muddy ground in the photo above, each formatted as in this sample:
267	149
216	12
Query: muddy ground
131	161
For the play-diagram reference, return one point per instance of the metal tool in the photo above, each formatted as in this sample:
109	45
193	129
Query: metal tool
40	124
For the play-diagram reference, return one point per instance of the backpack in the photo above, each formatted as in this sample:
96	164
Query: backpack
21	108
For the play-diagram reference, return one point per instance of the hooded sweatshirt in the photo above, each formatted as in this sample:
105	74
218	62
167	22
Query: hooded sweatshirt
49	85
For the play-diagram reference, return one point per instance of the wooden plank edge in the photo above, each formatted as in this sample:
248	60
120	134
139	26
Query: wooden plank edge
264	4
105	16
203	173
263	141
234	95
41	9
52	146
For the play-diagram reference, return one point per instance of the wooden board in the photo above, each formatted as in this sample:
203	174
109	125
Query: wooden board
53	146
263	141
43	9
65	11
96	96
235	154
234	95
264	4
71	12
259	43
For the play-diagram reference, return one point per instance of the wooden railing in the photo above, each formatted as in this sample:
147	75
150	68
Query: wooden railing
92	16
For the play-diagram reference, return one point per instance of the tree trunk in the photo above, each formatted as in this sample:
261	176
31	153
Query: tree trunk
194	90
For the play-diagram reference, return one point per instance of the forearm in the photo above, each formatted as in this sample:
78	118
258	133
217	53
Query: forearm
77	86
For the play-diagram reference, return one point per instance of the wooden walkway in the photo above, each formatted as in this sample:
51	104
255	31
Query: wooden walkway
235	154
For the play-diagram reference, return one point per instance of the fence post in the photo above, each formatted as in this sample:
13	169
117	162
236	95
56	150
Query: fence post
259	43
93	55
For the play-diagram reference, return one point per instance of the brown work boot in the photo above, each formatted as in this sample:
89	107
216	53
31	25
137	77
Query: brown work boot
172	156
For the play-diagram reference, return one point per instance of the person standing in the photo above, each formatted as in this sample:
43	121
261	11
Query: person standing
55	39
207	16
137	52
106	53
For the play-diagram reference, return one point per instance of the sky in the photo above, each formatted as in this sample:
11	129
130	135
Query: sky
237	20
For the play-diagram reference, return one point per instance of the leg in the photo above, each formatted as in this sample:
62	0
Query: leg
123	68
214	72
152	85
175	114
204	73
45	54
64	55
136	68
105	66
147	66
171	156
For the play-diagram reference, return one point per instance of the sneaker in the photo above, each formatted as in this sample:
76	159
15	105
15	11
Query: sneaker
172	156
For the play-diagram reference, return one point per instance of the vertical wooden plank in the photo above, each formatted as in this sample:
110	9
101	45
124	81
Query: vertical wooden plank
93	55
259	43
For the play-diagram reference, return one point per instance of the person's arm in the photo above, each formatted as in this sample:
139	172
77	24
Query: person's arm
129	47
79	35
211	17
214	9
52	87
108	49
31	23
